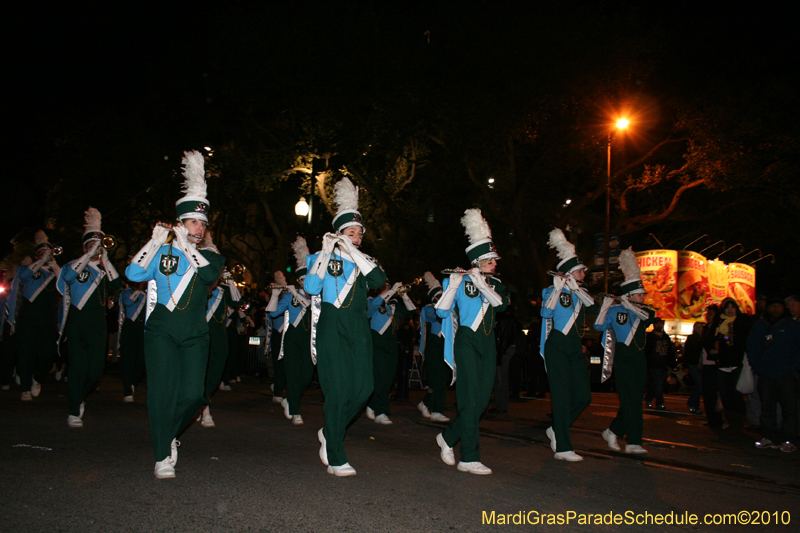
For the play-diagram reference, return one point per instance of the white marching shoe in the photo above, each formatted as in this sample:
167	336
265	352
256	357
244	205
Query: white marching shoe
285	405
82	409
207	421
439	417
424	410
26	396
446	453
128	399
36	388
570	456
370	413
383	420
552	436
342	471
323	449
165	469
475	467
173	451
611	439
74	421
297	420
635	449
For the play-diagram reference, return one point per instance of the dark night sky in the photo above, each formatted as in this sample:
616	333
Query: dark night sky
72	64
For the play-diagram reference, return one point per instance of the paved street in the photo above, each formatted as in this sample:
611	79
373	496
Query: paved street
257	472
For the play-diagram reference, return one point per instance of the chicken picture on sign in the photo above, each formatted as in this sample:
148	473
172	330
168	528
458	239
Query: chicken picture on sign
659	277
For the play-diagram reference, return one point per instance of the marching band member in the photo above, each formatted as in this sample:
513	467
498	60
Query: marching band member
176	338
223	294
628	321
564	319
339	276
34	323
86	284
275	341
431	347
472	353
132	303
294	349
385	313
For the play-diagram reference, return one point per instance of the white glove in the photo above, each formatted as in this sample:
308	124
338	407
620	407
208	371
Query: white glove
81	263
111	272
364	264
633	308
305	302
36	266
272	306
601	318
320	266
558	286
491	295
145	256
195	258
446	301
408	303
580	292
388	293
235	294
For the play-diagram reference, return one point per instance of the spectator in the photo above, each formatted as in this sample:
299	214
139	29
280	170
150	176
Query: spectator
793	305
727	349
773	348
660	353
692	355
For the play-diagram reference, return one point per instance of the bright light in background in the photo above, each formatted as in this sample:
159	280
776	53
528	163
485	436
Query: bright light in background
568	201
207	148
490	181
622	123
301	208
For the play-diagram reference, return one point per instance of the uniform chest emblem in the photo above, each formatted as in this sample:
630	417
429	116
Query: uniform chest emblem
566	299
295	302
622	318
37	275
84	276
471	290
382	310
335	267
168	264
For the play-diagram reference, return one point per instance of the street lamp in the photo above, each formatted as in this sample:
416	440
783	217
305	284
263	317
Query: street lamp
621	125
301	207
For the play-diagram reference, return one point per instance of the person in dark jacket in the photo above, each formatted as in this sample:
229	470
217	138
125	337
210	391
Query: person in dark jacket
660	353
773	349
726	347
692	354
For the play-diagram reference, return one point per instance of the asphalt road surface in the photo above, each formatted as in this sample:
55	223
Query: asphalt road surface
257	472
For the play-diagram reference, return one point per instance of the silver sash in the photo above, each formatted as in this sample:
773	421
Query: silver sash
316	308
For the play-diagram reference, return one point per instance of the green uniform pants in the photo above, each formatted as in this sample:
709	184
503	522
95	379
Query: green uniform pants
384	369
437	374
475	357
344	364
570	391
87	336
176	355
217	356
37	335
630	378
132	358
278	372
297	364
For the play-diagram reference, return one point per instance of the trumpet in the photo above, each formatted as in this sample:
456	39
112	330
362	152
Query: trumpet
238	269
108	242
407	287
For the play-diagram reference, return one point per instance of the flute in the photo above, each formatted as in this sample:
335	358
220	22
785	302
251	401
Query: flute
449	271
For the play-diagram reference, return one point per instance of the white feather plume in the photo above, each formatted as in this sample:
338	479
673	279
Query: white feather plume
475	226
345	196
92	220
629	265
280	279
194	173
40	237
300	251
558	241
431	281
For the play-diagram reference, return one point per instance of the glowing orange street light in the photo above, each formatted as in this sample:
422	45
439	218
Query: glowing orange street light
621	125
